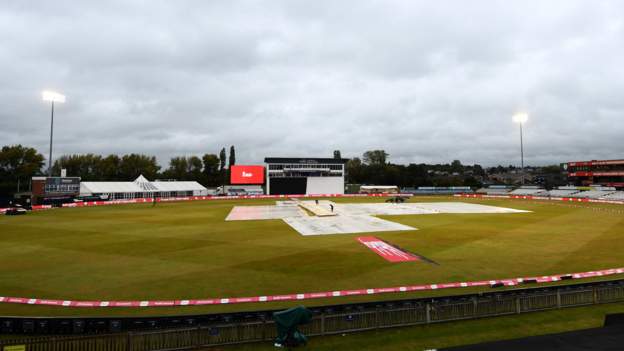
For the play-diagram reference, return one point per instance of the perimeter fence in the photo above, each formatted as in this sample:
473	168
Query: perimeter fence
327	320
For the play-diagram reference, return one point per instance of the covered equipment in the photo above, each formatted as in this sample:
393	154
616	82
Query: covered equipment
287	322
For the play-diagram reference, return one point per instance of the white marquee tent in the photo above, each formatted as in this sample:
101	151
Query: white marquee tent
142	188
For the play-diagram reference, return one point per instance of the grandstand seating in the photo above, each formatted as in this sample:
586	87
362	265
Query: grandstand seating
603	193
494	191
433	190
529	192
562	192
618	195
592	194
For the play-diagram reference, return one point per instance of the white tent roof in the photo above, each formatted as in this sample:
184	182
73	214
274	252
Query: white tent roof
145	184
141	179
140	185
178	186
109	187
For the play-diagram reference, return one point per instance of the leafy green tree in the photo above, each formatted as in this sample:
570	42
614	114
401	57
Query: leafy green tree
337	154
17	165
178	168
478	170
456	167
211	164
185	168
375	157
87	166
232	156
417	175
472	182
133	165
110	168
210	170
194	168
354	171
222	159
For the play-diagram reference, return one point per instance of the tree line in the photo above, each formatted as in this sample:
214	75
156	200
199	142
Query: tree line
19	163
373	168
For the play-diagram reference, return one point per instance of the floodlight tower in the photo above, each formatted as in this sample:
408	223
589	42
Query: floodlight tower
52	97
521	119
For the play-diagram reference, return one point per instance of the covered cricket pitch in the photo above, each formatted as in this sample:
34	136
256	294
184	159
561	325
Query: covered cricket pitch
325	217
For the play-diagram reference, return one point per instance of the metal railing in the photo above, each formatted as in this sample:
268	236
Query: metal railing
326	322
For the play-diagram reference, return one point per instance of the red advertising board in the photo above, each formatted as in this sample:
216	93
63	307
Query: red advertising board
596	163
385	250
247	175
597	174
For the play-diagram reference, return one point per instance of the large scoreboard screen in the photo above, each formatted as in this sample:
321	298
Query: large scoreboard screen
62	186
246	174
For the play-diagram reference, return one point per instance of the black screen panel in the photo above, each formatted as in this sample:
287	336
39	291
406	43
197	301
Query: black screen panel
288	186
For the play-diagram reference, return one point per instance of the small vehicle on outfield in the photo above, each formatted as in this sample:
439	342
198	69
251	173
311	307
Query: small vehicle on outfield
396	200
15	211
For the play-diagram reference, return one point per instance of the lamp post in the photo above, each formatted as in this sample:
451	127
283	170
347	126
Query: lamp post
521	118
52	97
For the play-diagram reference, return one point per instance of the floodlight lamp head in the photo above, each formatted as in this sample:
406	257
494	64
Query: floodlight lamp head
53	96
521	117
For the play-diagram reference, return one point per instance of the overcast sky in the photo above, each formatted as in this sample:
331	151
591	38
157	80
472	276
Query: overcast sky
428	81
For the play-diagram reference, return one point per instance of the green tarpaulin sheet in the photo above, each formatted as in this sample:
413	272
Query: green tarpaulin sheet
287	322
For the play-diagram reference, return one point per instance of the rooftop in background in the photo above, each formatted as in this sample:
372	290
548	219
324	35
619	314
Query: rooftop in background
306	160
596	172
595	163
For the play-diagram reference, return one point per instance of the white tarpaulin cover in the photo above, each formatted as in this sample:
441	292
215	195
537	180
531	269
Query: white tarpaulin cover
354	218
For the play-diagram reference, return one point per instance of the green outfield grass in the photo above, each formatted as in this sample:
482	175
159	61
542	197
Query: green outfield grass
187	250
